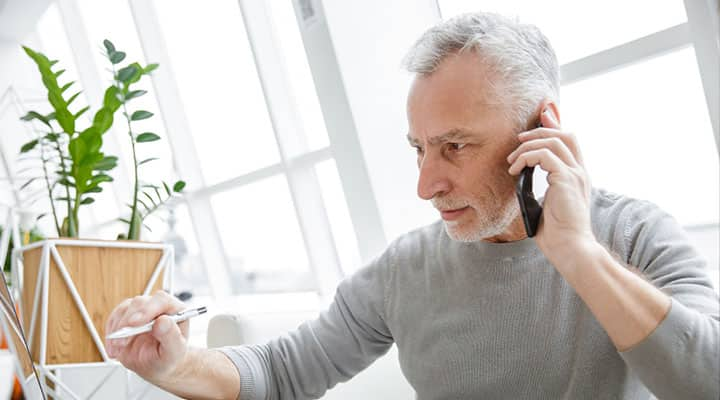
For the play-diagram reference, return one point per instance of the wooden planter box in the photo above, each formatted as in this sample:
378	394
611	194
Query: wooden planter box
69	287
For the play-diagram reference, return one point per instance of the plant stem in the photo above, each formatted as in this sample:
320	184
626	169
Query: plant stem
72	229
133	230
47	183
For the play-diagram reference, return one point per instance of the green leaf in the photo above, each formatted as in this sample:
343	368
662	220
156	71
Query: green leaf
57	74
26	184
157	193
67	85
116	57
178	186
140	115
137	76
135	93
73	97
147	137
96	189
150	68
77	148
103	120
106	163
127	221
147	160
65	119
81	112
87	200
109	46
31	115
28	146
125	74
143	204
101	178
150	198
66	182
167	189
110	101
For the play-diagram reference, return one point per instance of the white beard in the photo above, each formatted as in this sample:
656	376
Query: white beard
485	225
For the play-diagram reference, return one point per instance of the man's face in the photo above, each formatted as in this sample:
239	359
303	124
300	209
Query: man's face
463	138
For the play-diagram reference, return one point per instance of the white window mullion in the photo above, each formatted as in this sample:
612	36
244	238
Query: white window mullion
653	45
181	143
705	31
341	128
302	180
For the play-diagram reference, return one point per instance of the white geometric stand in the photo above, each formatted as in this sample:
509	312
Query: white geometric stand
52	372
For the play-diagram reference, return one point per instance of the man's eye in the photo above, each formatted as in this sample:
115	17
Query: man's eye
418	149
456	146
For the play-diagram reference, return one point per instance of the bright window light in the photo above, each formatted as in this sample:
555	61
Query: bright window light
262	238
579	28
219	85
645	132
339	216
299	76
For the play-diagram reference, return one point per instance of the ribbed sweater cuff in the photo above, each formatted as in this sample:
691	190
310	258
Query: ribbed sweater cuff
249	367
663	346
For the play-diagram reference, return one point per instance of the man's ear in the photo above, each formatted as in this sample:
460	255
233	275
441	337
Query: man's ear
552	107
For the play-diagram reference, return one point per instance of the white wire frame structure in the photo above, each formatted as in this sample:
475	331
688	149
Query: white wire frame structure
39	311
29	389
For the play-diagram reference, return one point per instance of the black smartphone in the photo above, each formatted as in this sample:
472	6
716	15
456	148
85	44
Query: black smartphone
529	206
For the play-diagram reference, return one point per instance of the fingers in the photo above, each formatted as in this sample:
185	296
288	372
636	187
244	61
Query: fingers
144	309
172	341
554	144
138	311
547	160
568	139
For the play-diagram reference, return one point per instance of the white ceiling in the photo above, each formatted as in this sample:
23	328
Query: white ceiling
18	17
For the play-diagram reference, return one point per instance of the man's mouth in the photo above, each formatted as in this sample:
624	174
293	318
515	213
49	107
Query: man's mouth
453	214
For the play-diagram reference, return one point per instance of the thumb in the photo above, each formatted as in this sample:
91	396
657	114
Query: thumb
172	342
549	119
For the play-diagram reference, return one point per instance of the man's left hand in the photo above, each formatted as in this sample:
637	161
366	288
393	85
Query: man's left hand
564	228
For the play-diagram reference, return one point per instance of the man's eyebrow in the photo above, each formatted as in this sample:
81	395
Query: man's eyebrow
453	135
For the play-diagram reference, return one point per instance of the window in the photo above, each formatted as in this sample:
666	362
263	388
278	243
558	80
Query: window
219	85
594	26
647	135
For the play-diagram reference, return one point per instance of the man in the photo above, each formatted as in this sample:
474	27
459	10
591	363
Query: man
607	301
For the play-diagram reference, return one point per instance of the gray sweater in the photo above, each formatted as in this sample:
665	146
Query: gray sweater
497	321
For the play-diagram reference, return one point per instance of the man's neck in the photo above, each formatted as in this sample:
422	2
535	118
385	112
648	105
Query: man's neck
513	233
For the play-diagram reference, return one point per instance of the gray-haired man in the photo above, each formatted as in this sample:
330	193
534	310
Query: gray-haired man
609	300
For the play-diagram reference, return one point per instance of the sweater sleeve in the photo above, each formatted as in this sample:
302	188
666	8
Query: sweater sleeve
333	348
681	358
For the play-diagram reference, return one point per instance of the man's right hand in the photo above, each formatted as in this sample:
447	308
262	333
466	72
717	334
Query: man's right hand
154	355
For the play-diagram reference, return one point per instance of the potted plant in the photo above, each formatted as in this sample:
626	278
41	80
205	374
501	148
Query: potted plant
70	284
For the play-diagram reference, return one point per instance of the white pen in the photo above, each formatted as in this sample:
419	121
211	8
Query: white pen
136	330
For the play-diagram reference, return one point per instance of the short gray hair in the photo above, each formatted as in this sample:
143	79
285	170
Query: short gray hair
519	54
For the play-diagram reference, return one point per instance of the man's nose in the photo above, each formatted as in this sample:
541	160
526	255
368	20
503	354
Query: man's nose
433	179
